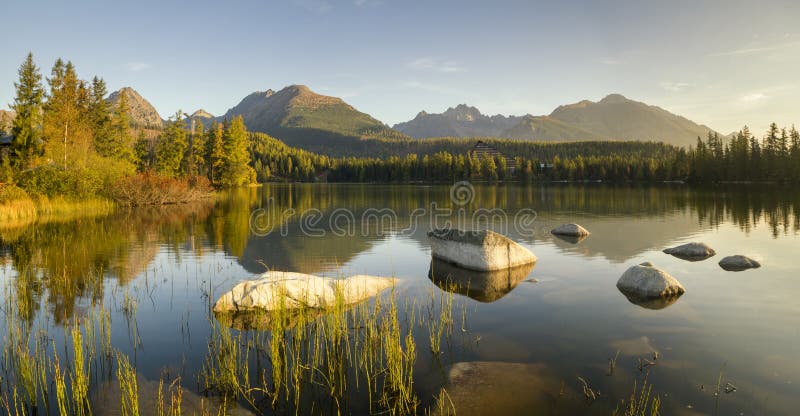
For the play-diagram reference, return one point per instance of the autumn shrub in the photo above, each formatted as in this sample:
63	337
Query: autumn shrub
152	189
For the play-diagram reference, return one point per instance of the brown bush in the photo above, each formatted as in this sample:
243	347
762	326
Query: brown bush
151	189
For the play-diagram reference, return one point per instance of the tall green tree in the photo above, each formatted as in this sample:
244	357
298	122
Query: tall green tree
28	105
215	152
235	169
67	124
171	148
100	118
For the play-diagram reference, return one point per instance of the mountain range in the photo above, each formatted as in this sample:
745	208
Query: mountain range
302	118
612	118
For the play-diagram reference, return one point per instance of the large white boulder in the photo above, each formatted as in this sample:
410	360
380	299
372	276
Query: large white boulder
738	263
285	290
645	282
478	250
691	251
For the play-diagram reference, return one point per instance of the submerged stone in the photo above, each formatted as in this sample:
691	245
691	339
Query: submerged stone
738	263
478	285
570	230
285	290
497	388
478	250
649	286
107	399
691	251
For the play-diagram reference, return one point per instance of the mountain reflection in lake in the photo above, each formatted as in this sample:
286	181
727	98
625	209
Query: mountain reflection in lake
175	261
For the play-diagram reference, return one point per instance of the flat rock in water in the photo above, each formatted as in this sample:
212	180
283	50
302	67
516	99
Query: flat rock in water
478	250
649	286
496	388
570	230
691	251
284	290
106	401
481	286
738	263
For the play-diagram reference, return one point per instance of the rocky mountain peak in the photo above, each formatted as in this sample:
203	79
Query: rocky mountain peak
201	114
143	114
614	99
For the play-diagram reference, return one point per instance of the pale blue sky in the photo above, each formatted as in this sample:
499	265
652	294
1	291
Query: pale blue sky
721	63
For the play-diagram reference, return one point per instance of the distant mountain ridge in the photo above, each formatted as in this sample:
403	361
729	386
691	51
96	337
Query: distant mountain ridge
459	121
612	118
142	113
298	115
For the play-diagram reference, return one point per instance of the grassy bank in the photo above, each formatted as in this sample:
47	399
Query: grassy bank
25	210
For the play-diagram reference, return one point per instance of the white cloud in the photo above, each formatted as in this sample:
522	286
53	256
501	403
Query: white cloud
434	65
367	3
753	98
610	61
675	86
138	66
758	49
315	6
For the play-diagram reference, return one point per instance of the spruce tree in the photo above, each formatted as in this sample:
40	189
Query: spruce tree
215	153
171	148
120	132
67	125
28	105
100	118
235	170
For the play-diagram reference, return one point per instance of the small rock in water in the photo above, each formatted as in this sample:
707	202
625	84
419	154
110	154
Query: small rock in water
649	286
738	263
570	230
478	250
691	251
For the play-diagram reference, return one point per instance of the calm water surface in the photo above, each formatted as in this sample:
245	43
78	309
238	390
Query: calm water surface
565	314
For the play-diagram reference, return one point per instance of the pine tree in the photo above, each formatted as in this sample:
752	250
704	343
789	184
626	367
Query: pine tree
143	153
235	170
120	134
171	148
28	104
67	129
100	118
215	152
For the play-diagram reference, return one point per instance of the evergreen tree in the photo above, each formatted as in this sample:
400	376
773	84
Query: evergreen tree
100	118
215	153
120	134
67	129
28	105
235	169
171	148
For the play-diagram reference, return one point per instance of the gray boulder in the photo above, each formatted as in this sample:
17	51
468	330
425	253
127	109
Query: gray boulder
738	263
649	286
691	251
478	250
570	230
500	388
